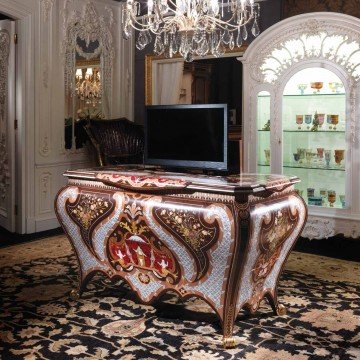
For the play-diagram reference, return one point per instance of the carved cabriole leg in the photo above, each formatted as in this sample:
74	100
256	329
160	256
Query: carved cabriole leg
228	327
278	309
75	294
232	289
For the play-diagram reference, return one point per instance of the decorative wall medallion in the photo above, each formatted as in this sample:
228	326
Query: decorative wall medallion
44	148
45	180
192	230
4	156
45	75
46	7
133	245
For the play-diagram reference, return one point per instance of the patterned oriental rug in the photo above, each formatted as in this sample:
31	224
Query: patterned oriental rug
38	320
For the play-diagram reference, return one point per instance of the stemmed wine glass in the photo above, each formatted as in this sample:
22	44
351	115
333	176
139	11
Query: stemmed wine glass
302	88
331	197
327	157
299	120
334	120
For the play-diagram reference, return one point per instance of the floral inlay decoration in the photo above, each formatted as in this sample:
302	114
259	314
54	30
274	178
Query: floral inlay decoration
88	210
191	229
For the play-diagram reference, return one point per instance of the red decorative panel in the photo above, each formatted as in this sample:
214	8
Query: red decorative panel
133	244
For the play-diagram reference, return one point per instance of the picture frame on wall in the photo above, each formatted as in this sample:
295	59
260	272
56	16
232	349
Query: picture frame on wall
296	7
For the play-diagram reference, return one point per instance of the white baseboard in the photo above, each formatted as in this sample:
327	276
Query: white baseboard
37	225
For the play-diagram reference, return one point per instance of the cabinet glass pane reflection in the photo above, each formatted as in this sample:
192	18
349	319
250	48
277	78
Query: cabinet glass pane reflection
314	146
263	127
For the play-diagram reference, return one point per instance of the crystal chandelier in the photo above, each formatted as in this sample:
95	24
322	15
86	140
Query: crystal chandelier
88	85
191	27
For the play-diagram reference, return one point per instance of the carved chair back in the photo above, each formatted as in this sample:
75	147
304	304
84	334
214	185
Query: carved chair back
117	141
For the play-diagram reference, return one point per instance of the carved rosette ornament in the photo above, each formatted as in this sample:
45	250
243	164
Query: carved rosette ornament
4	156
95	30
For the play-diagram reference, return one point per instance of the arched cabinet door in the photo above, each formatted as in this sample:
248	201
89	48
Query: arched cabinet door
7	125
301	114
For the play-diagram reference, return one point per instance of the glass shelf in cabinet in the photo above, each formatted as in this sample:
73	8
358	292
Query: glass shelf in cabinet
314	95
326	206
314	132
312	167
306	95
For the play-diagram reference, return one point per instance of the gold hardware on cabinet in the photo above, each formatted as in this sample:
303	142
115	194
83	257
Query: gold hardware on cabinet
279	141
15	38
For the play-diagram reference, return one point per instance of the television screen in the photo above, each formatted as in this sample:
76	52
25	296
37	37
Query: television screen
187	136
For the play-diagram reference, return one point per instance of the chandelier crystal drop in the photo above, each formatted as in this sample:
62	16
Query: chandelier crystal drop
191	27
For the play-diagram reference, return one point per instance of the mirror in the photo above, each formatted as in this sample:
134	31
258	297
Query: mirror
84	101
202	81
88	67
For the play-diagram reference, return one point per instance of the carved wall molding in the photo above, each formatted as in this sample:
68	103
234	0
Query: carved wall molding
45	75
45	181
46	7
323	228
88	26
44	148
4	156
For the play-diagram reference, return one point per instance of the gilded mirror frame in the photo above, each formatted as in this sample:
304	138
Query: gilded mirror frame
150	60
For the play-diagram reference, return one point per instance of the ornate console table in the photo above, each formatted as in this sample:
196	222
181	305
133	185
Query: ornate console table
223	239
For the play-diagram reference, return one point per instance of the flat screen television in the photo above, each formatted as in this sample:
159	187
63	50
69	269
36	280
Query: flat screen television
190	136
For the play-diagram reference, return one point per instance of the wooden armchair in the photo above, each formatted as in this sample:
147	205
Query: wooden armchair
117	141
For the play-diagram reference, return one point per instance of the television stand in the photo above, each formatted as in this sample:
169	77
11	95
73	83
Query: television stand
222	239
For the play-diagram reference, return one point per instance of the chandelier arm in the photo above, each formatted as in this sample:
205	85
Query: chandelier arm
223	24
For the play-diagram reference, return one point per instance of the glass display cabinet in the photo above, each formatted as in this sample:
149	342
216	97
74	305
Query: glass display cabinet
301	86
314	144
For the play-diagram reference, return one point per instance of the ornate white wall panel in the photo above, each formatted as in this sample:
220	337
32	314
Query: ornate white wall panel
41	95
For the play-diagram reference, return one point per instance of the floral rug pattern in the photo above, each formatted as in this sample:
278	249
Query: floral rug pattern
38	320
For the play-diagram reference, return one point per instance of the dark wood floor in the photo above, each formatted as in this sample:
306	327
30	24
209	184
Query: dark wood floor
337	247
7	238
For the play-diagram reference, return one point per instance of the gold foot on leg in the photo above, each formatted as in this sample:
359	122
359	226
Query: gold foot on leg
229	342
281	310
74	294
